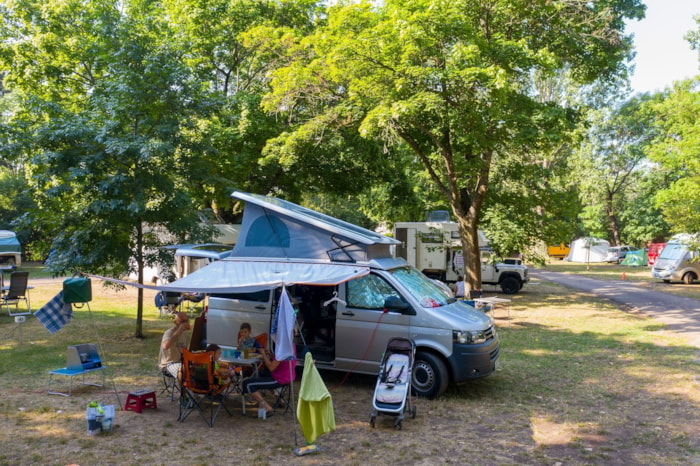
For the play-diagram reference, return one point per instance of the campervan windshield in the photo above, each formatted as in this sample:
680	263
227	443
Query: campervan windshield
371	291
673	252
424	290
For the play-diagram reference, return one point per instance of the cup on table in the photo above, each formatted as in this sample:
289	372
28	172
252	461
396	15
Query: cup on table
237	354
245	353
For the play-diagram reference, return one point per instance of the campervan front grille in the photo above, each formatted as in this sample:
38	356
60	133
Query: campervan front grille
490	333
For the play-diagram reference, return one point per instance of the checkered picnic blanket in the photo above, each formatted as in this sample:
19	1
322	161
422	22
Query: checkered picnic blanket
55	314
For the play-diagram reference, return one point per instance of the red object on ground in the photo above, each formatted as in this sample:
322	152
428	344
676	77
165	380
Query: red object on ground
138	401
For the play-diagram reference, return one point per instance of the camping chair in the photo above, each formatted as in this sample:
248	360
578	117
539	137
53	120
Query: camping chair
284	398
170	384
262	340
199	388
16	292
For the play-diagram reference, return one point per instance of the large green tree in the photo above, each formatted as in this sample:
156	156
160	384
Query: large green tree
612	160
449	80
226	145
106	99
676	151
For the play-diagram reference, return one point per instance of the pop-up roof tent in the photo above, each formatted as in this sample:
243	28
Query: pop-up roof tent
283	243
588	250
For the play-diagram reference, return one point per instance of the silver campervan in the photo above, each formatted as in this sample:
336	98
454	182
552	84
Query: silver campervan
678	261
350	294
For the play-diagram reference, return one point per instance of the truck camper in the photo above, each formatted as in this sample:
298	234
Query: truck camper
434	248
350	294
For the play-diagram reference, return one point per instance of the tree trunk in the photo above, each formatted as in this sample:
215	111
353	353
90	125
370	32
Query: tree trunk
140	265
467	206
472	256
612	220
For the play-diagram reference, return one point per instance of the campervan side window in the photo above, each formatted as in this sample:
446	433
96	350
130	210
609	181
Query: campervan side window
369	292
256	296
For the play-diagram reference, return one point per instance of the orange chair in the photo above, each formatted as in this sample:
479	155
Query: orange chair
262	340
200	389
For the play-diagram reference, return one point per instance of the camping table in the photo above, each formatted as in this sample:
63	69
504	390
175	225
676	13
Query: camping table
252	361
493	301
70	373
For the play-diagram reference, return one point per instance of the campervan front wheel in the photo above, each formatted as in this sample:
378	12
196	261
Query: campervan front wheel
430	377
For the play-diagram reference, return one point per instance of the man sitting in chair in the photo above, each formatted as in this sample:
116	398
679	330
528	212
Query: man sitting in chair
174	339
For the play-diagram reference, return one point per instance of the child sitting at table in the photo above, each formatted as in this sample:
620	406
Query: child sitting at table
247	342
221	369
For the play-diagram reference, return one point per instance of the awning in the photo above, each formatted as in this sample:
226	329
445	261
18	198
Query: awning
239	275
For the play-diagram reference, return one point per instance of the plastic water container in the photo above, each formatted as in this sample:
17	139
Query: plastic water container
99	419
108	420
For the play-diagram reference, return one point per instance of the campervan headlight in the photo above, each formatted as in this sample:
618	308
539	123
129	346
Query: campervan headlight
468	337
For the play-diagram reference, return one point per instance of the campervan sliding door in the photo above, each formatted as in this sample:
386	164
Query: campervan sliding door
362	328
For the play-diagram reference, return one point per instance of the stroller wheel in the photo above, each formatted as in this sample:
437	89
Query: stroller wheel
372	419
397	424
413	412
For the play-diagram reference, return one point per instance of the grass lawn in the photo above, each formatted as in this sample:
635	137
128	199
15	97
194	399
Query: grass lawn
580	382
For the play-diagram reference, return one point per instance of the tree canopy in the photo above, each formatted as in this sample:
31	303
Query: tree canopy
449	80
119	119
676	150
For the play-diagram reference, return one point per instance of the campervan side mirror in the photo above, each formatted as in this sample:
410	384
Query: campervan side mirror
394	303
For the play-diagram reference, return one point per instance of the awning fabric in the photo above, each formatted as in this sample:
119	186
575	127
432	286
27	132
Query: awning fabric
240	275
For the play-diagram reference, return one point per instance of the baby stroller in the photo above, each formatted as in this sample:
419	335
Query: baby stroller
392	395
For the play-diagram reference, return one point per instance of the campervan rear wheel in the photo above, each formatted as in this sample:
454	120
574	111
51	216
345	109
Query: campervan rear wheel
689	278
430	376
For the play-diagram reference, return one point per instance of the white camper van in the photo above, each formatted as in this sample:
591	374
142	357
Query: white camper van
677	262
351	295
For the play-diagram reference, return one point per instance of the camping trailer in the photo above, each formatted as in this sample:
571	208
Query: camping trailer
678	261
350	294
